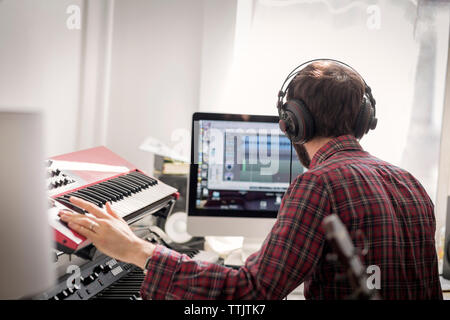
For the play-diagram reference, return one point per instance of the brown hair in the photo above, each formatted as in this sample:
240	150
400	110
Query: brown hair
332	93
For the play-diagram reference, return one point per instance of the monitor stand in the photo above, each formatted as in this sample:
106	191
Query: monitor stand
249	246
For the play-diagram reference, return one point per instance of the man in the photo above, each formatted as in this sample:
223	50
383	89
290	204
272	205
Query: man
384	208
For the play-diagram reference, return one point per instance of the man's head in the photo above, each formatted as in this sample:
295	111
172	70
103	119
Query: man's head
332	94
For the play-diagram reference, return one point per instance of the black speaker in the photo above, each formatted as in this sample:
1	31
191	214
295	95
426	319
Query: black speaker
178	181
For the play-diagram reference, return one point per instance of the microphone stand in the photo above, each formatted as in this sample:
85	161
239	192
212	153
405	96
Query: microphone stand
339	238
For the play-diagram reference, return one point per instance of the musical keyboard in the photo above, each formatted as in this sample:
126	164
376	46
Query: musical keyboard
107	278
128	287
128	194
99	176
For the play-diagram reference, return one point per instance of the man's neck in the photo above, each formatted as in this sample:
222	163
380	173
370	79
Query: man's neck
315	144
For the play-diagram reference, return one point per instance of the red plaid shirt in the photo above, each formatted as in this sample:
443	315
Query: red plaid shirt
386	203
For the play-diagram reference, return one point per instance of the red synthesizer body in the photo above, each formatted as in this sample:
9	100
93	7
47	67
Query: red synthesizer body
98	175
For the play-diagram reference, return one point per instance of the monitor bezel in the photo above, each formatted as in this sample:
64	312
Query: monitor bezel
193	169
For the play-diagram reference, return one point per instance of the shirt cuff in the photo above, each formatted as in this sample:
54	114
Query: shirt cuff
160	272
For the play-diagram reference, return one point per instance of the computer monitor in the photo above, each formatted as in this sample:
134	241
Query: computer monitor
239	172
25	238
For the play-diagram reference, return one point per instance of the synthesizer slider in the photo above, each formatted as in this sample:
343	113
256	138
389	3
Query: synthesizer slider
98	176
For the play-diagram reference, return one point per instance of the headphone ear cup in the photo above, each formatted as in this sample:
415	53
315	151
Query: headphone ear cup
365	120
302	128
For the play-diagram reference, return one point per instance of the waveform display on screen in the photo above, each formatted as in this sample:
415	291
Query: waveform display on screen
246	156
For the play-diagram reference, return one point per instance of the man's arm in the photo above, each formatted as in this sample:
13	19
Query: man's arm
289	253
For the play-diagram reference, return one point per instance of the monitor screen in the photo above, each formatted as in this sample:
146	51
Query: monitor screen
240	165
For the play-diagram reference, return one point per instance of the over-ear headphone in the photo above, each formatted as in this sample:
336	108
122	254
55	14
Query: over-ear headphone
297	122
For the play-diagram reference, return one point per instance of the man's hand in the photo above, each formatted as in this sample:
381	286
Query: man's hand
108	232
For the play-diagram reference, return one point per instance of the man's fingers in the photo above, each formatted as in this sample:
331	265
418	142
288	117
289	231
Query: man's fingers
91	224
110	211
81	224
85	232
75	217
91	208
88	227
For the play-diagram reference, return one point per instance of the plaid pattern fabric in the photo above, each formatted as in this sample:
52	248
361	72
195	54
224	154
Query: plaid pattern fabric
388	205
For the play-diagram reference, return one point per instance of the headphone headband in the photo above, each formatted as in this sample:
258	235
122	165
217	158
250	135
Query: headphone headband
296	70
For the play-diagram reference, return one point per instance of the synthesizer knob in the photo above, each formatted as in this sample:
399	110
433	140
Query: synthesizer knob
55	173
99	268
88	280
103	269
62	295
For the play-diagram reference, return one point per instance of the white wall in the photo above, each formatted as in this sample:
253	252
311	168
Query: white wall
132	70
219	35
98	27
155	73
40	65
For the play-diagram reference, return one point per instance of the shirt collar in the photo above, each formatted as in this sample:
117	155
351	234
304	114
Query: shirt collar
345	142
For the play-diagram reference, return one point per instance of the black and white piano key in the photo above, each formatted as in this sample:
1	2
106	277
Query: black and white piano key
126	194
127	287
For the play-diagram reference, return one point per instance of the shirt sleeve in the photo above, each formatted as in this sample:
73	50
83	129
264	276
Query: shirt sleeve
288	255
